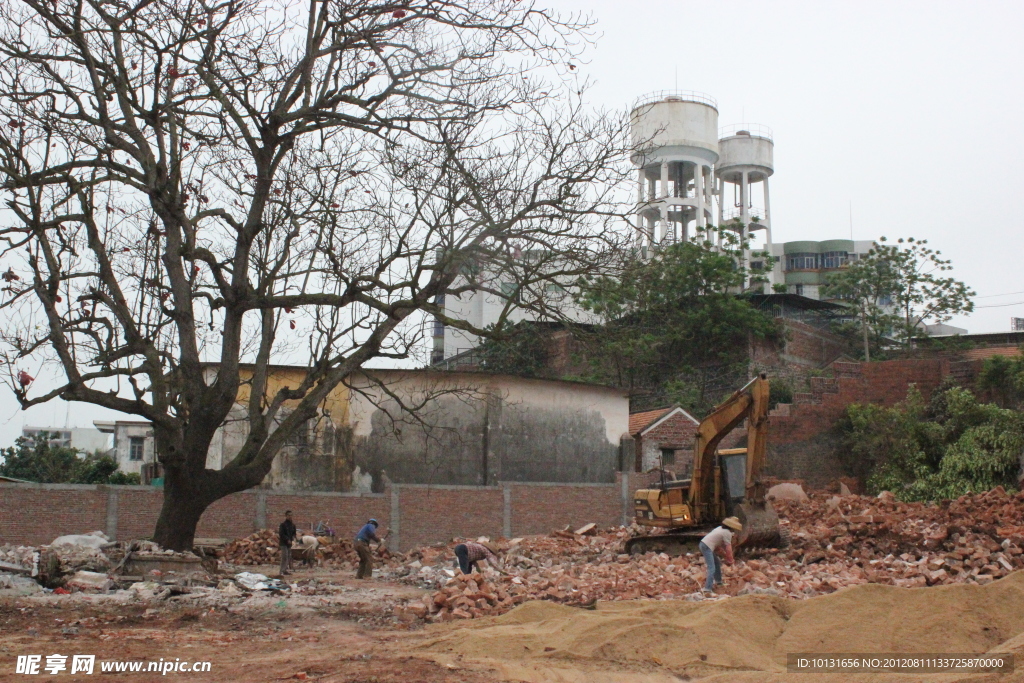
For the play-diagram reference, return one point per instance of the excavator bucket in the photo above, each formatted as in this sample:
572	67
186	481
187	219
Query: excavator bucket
760	525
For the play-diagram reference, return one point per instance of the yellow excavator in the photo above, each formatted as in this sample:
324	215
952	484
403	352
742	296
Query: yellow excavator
724	483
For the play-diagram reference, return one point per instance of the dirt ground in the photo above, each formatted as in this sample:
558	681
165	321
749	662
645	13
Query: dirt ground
356	642
355	638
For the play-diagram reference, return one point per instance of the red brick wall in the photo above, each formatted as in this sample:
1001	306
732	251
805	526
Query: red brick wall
542	509
802	444
230	517
436	515
32	514
137	511
35	515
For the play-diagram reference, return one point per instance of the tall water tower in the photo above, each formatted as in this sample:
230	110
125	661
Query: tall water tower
746	157
675	134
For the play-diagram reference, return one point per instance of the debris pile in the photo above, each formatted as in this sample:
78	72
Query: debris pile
974	538
262	548
836	542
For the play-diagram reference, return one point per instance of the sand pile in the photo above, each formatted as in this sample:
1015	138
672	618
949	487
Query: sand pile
732	639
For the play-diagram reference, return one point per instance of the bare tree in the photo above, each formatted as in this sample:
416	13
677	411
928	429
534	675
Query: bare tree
195	189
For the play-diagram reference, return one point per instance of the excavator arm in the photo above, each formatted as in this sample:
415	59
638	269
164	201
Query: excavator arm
710	433
748	403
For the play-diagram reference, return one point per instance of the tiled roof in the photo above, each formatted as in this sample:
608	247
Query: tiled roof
637	421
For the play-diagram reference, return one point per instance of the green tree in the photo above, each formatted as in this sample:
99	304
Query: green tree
941	449
673	327
1004	378
921	293
866	284
900	287
36	460
515	349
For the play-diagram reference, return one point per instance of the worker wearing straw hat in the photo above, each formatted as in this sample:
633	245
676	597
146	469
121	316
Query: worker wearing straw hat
718	539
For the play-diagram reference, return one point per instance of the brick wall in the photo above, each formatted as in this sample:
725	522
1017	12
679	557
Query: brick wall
802	443
35	514
676	432
137	511
435	514
537	509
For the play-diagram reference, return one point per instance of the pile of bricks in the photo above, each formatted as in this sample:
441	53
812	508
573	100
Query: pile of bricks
836	542
975	538
262	548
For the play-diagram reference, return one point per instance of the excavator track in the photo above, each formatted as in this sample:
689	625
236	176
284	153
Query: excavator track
673	544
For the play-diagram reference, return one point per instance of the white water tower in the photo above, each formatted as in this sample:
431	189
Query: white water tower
675	134
746	158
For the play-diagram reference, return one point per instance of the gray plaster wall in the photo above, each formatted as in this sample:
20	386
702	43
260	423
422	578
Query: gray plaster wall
477	429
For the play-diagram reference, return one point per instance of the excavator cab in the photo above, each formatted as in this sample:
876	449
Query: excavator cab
733	468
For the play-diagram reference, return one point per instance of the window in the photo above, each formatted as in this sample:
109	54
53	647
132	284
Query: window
799	290
668	456
136	447
834	259
802	261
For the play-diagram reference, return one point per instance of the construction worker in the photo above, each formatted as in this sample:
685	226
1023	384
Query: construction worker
718	539
366	535
306	545
285	535
471	554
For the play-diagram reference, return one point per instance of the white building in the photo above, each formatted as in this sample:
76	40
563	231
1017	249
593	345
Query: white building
85	439
134	445
804	267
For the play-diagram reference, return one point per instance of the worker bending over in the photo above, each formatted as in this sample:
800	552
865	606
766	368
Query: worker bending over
366	535
306	547
718	539
471	554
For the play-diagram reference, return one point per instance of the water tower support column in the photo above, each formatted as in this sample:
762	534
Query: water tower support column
700	225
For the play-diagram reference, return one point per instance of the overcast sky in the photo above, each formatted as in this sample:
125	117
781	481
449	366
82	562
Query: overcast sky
912	111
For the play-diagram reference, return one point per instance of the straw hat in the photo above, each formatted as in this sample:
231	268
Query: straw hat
733	523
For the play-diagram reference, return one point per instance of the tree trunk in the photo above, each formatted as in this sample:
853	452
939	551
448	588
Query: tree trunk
179	516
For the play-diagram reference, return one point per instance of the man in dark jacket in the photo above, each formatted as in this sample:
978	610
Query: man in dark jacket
365	536
285	536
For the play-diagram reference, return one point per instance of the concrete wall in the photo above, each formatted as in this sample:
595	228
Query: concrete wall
443	428
35	514
478	429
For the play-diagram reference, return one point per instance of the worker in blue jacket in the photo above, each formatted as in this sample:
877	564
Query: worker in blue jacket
366	535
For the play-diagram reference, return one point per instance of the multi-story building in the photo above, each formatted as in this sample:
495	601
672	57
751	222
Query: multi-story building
134	447
804	267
